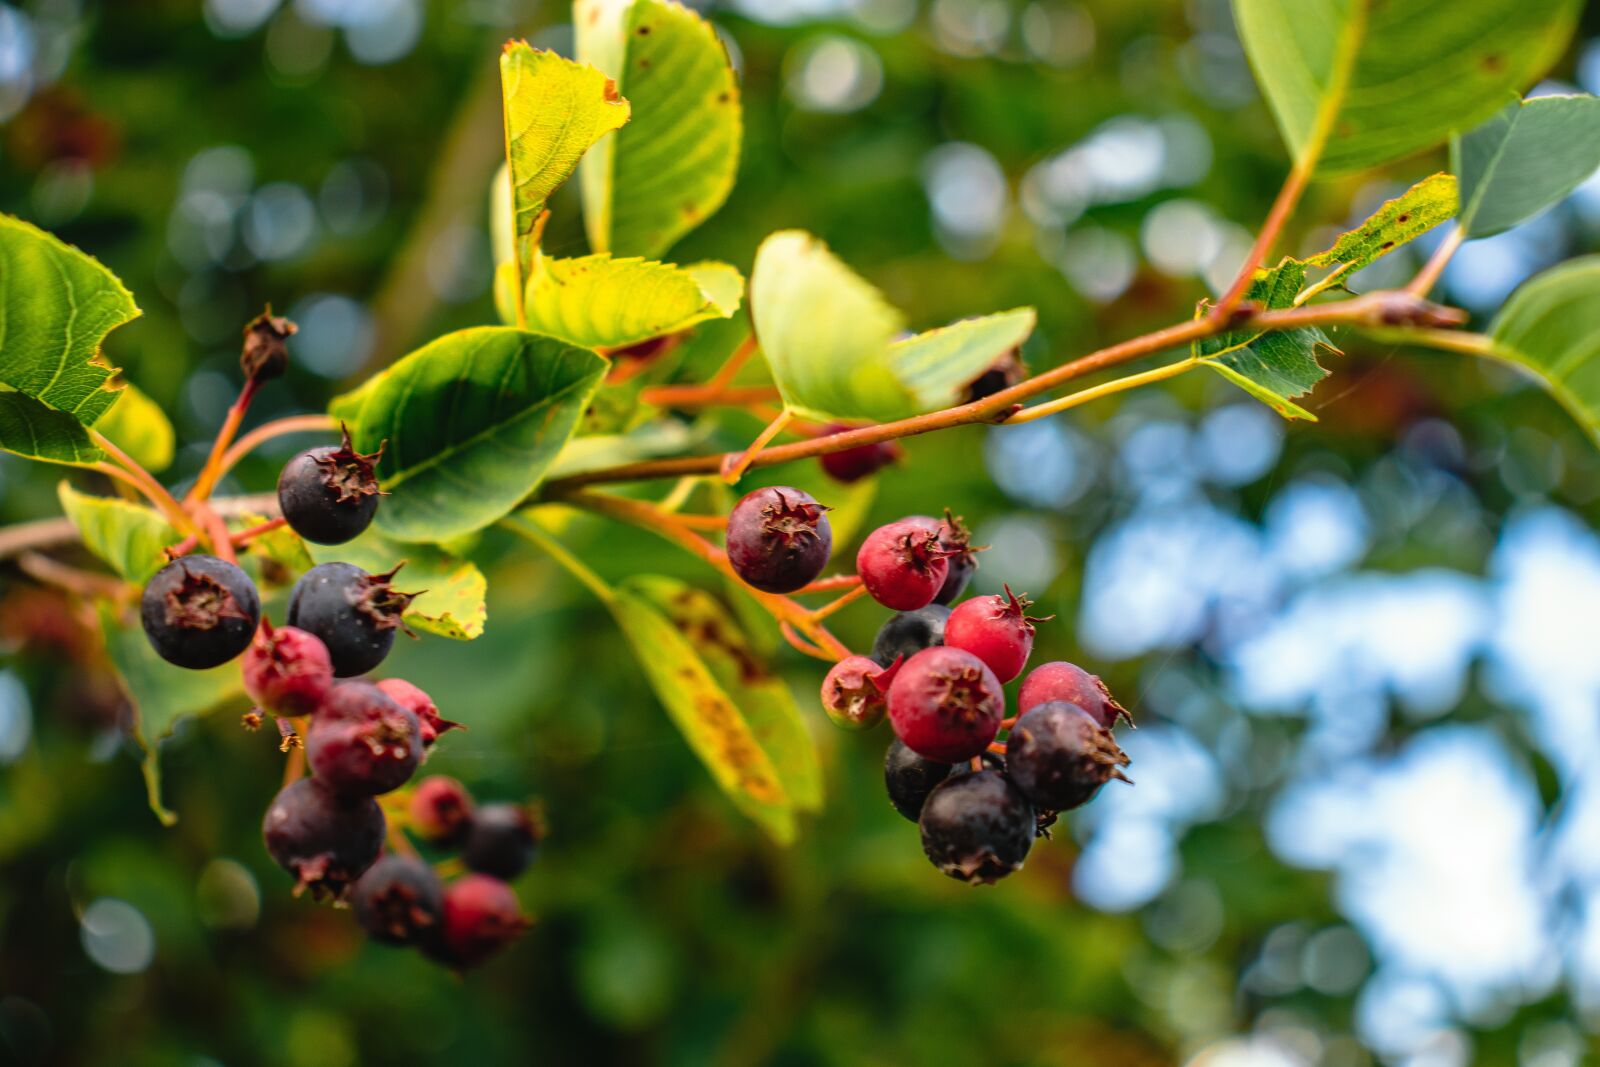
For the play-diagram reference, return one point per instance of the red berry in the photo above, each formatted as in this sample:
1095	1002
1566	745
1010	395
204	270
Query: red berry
855	692
903	565
481	916
778	539
1059	680
441	810
956	540
325	839
996	629
286	670
1060	757
853	464
361	742
946	704
419	704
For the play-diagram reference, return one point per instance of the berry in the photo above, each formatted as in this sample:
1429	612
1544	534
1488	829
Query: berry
399	901
996	629
353	612
502	841
903	565
441	811
265	354
330	494
363	743
909	778
419	704
778	539
1060	756
854	692
977	827
909	632
286	670
853	464
945	704
1059	680
963	558
199	611
324	838
481	917
1003	373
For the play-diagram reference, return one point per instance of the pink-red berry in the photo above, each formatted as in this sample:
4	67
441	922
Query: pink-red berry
286	670
1060	680
903	565
441	811
946	704
778	539
996	629
481	917
855	692
419	704
363	743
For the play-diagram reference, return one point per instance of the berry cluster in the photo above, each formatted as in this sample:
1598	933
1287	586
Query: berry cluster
980	784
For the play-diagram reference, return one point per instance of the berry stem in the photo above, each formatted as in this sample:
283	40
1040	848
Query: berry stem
801	644
211	473
268	430
253	532
294	764
1116	385
87	584
153	490
400	843
839	603
216	532
734	465
705	396
734	363
825	585
713	523
1428	276
996	748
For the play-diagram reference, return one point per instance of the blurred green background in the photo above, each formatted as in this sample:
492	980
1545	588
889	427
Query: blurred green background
1361	652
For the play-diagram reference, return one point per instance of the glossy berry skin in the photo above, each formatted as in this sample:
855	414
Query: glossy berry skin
325	839
946	705
1060	680
199	611
361	742
286	670
481	917
853	464
909	632
909	778
902	565
329	494
855	692
962	557
419	704
996	629
441	811
977	827
352	612
1060	757
502	841
399	901
778	539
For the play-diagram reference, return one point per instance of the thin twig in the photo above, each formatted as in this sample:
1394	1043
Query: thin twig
249	442
1428	276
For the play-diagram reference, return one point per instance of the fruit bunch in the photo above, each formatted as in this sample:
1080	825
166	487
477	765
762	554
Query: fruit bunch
980	784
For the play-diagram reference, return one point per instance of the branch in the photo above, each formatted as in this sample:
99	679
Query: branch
54	533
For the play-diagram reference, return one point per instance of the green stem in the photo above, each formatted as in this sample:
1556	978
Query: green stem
1116	385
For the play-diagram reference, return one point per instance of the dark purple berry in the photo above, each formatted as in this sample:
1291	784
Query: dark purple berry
421	705
354	613
1060	757
330	494
956	540
1059	680
399	901
945	704
286	670
855	692
977	827
481	917
853	464
909	778
903	565
909	632
363	743
325	839
503	840
1003	373
778	539
996	629
199	611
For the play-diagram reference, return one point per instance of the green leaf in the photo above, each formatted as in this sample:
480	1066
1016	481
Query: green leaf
453	604
739	669
1411	214
1551	326
473	421
675	163
281	547
30	429
126	535
1357	83
939	364
56	307
1524	160
1272	366
601	302
555	110
138	426
160	693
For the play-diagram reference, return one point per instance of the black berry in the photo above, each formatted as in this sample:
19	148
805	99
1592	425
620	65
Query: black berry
361	742
778	539
399	901
1060	756
353	612
199	611
977	827
1003	373
909	778
909	632
325	839
329	494
502	840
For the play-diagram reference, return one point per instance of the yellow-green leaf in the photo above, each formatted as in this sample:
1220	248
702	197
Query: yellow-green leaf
1272	366
28	428
137	425
937	365
601	302
128	536
1416	211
